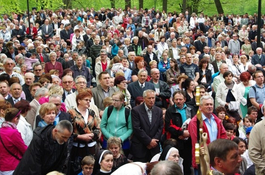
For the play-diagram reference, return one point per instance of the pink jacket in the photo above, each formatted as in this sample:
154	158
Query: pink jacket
13	142
193	134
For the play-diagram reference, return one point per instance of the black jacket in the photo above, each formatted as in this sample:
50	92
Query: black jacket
43	155
208	76
165	93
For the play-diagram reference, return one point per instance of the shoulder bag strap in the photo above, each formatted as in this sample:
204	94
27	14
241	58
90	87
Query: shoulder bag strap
8	150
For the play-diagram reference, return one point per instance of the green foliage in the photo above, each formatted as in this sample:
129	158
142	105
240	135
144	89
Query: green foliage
207	6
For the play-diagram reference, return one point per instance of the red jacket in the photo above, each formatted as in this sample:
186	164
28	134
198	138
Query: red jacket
193	134
13	141
34	30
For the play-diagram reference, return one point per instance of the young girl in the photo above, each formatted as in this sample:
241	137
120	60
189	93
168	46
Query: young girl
114	145
221	112
104	162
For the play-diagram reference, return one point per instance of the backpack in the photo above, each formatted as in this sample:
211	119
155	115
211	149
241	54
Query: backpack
248	100
127	113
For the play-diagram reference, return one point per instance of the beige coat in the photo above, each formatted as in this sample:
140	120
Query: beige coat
257	147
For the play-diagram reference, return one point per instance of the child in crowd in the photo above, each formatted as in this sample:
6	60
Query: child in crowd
119	159
221	112
247	122
87	165
230	131
253	113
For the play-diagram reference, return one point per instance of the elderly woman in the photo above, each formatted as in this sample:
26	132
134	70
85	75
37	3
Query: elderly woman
116	121
86	127
136	46
23	126
12	145
53	64
48	112
229	96
121	85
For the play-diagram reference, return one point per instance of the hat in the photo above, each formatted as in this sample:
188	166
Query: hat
234	34
166	152
28	54
249	129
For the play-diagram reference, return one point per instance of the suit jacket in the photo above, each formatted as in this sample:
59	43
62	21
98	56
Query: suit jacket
165	93
49	32
215	67
199	45
135	90
64	96
144	132
65	35
98	96
147	58
102	32
45	57
26	90
10	100
256	60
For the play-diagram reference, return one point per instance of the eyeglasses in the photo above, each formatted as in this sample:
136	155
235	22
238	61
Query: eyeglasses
69	82
37	70
9	63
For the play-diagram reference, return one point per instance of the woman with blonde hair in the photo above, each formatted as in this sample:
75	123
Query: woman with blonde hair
47	112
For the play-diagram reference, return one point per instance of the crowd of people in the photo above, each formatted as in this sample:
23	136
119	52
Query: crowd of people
124	91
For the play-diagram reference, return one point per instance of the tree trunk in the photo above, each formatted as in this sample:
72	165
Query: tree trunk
219	6
165	5
128	3
141	4
184	6
112	3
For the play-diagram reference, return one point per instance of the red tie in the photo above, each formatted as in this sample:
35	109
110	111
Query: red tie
41	58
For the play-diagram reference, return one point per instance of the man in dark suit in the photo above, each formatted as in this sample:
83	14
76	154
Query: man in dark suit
150	56
200	43
137	88
29	80
131	57
15	90
65	34
18	33
103	32
38	71
42	57
147	122
163	92
258	58
67	84
217	62
71	62
47	30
